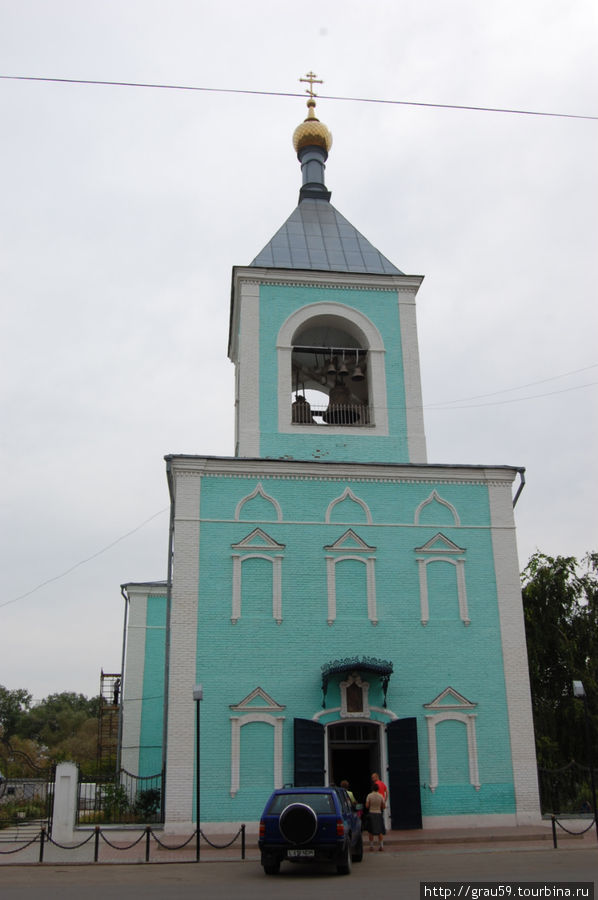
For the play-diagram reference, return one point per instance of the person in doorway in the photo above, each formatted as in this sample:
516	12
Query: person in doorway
350	794
381	786
384	791
375	805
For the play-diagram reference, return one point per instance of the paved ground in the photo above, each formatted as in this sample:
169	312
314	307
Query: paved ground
396	873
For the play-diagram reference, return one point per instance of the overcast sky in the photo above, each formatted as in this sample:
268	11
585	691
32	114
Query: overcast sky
124	209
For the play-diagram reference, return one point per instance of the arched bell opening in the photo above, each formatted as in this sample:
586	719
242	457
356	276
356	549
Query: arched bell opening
330	383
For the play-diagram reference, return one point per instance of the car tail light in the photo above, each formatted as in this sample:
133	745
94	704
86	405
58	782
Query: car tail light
340	828
262	828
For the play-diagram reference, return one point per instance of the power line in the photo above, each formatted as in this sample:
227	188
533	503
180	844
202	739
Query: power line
187	87
83	561
513	399
519	387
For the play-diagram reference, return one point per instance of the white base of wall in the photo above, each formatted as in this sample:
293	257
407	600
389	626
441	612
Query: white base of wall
429	823
479	821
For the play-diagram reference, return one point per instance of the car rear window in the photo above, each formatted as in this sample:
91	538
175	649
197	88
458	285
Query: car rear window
320	803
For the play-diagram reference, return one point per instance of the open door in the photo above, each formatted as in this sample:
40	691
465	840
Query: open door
309	753
403	774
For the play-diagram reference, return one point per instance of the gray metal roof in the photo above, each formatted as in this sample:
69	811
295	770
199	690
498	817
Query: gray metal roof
316	236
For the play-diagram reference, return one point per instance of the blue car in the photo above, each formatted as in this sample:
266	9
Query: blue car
310	824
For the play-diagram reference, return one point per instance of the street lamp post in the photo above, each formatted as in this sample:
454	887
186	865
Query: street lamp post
580	692
198	697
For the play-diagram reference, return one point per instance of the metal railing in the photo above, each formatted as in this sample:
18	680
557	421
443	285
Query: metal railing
146	835
125	799
345	414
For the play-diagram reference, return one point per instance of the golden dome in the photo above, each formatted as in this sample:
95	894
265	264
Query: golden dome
311	131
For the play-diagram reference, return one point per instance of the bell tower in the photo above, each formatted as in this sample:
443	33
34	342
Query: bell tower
323	335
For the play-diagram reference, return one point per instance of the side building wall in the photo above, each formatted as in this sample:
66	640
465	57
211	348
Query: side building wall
143	688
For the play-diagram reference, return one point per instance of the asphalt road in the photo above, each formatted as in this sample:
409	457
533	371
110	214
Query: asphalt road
387	875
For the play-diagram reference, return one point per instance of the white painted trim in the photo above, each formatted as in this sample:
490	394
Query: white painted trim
182	656
132	697
459	564
247	401
452	715
516	672
259	491
435	497
237	722
414	411
348	493
238	561
369	563
336	709
365	689
354	322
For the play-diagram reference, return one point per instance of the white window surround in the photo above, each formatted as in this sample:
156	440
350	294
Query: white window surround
354	322
369	562
347	547
258	545
252	713
468	719
365	688
448	706
437	549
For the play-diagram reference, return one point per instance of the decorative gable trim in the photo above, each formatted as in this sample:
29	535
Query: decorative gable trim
450	699
248	704
258	540
350	541
440	544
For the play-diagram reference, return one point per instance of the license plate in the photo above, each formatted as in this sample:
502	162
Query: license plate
300	854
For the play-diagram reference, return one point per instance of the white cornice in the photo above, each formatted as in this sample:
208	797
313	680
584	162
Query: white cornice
306	470
306	277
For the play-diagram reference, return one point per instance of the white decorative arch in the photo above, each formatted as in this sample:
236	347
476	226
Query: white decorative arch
436	498
348	493
258	492
354	322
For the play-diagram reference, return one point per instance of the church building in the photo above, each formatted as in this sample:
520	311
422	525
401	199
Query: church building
347	607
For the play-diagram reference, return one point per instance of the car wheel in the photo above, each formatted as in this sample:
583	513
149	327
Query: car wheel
343	867
272	867
357	854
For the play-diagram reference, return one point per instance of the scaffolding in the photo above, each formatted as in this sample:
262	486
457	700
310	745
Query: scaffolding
109	721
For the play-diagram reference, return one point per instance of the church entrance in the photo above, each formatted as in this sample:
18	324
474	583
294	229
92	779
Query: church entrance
353	754
353	750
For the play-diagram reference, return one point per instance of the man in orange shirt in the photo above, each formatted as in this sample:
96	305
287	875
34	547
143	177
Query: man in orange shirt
381	786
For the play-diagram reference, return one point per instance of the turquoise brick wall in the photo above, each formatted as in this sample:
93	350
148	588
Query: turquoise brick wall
152	715
285	660
277	302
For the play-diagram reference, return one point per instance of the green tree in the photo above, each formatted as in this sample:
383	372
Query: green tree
57	718
13	704
560	601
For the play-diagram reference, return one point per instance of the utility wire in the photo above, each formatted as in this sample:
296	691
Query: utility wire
187	87
86	560
513	399
519	387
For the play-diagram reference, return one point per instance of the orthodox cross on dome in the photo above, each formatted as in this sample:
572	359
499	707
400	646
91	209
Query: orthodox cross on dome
311	79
